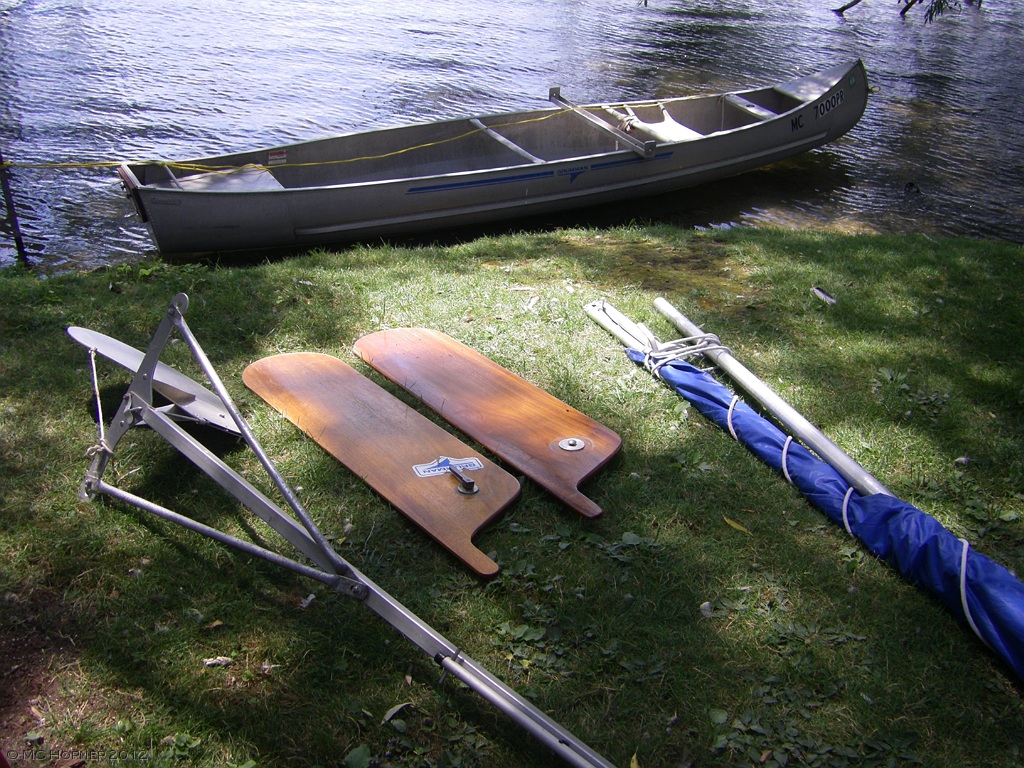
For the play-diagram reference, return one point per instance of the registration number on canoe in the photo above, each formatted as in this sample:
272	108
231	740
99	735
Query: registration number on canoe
822	108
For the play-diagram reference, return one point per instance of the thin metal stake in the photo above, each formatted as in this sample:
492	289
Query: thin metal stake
12	214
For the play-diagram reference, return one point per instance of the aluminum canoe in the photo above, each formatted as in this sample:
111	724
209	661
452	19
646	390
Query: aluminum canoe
475	170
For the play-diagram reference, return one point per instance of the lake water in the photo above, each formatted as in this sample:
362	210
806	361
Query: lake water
940	149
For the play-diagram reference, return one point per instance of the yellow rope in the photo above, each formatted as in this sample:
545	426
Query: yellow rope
233	168
62	166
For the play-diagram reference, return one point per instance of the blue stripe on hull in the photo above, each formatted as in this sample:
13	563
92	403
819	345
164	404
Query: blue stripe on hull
520	177
481	182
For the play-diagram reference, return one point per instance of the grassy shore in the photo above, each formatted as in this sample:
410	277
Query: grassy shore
815	653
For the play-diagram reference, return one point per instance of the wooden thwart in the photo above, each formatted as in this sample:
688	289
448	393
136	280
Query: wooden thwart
550	442
398	452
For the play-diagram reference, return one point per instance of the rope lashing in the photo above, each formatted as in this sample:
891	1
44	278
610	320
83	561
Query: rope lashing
846	510
661	354
785	459
101	443
947	572
963	590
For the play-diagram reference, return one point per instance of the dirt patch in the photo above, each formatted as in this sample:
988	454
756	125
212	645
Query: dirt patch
700	265
33	648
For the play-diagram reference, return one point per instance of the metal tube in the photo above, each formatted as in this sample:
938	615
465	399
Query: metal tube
180	302
618	325
504	699
236	485
447	655
851	471
528	717
249	548
642	148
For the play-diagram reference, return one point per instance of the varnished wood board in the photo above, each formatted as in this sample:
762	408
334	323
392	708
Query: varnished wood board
392	447
527	427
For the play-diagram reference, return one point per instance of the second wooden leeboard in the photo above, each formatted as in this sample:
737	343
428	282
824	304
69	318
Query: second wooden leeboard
396	450
550	442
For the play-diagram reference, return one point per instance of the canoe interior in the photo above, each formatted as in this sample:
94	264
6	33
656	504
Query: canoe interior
463	145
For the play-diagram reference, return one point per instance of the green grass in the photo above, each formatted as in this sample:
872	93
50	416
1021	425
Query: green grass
815	653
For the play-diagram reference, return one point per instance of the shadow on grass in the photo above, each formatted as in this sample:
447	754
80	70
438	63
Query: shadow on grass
809	644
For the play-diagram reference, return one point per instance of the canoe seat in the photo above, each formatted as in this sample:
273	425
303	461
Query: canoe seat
248	178
745	105
802	90
666	130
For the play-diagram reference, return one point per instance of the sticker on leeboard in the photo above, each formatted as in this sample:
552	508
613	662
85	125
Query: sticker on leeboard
441	465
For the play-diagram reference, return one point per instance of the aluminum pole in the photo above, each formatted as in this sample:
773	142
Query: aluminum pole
800	427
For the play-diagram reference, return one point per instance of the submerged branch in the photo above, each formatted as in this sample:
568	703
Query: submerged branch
846	7
935	7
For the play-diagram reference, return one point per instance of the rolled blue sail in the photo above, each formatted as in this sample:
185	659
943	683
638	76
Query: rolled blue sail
973	587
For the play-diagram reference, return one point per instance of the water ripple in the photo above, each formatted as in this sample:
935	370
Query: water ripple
938	150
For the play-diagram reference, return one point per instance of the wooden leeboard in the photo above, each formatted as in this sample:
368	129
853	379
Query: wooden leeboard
524	425
390	446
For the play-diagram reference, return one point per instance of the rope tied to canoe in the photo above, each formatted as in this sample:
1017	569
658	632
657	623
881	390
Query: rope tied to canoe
59	166
200	168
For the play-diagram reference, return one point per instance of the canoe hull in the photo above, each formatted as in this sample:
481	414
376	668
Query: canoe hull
255	211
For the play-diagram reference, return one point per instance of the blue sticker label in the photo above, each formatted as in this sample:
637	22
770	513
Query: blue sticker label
440	466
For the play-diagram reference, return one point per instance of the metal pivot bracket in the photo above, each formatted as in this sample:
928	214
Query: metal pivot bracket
192	402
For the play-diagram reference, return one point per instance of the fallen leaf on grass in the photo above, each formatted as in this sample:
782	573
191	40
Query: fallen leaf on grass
737	526
394	711
360	757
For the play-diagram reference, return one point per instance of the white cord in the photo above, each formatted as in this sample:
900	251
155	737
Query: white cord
846	510
963	590
732	407
785	459
102	444
660	354
692	345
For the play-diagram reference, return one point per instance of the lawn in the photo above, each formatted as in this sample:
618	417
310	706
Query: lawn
710	617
